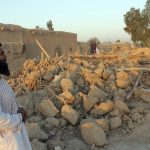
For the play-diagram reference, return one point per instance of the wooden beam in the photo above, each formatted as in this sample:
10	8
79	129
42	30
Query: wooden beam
134	87
42	48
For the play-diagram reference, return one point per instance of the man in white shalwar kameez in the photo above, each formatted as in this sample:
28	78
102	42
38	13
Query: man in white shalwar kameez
13	134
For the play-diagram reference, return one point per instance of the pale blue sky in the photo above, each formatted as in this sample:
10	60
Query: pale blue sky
88	18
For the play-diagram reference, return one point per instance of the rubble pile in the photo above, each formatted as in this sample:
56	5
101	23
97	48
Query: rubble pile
15	55
74	103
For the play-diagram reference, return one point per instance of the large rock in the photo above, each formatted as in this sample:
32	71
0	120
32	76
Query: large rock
85	71
102	108
101	65
55	142
98	93
93	134
136	116
53	122
113	86
36	144
116	113
92	78
68	97
99	72
47	108
107	73
89	102
143	94
35	132
70	114
122	83
85	64
122	79
115	122
78	61
122	106
104	123
75	144
66	84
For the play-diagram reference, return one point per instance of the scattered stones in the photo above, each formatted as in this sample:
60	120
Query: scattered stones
60	94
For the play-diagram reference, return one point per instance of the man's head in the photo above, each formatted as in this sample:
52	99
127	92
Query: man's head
4	70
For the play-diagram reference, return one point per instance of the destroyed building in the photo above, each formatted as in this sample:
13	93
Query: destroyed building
19	43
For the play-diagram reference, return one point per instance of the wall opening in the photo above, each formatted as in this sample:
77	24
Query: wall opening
58	51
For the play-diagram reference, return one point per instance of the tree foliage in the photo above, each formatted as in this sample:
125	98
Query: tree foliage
37	27
138	23
94	39
50	25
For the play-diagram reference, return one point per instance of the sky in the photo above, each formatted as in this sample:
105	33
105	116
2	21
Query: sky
87	18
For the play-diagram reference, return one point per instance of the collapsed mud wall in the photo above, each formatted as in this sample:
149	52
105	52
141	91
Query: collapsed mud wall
54	42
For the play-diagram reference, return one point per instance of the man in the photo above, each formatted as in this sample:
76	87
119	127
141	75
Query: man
13	134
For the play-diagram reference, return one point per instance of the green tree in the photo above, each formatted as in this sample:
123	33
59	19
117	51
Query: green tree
118	41
146	10
136	25
94	39
37	27
50	25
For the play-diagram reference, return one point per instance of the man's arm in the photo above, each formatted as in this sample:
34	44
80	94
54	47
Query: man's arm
10	121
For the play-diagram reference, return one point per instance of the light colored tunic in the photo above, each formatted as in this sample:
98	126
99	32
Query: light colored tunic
13	134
